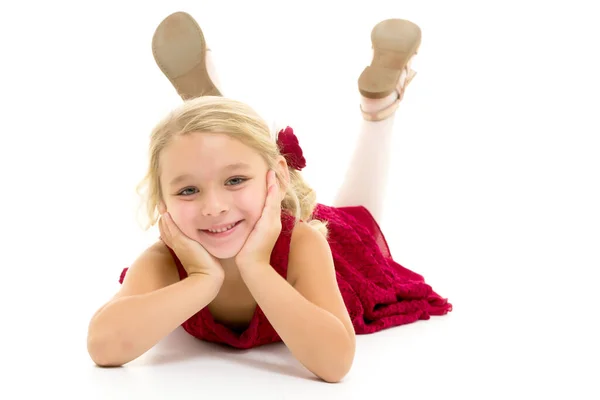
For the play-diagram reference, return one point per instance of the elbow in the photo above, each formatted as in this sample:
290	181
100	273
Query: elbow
101	354
333	378
106	350
107	344
340	366
336	373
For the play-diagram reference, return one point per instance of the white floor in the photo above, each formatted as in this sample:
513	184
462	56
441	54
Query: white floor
493	194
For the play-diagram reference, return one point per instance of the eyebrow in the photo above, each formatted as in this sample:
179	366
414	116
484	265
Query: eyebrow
230	167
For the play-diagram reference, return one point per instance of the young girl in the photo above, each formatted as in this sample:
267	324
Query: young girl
246	257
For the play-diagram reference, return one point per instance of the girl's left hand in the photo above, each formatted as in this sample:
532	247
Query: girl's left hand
260	242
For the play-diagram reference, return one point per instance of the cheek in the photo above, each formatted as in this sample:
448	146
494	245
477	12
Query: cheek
184	214
250	203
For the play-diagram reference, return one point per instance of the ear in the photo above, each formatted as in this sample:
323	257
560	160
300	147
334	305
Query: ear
283	173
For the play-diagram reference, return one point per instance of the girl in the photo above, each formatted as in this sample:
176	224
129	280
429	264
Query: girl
246	257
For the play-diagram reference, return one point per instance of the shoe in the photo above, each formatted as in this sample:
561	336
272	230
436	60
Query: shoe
395	42
179	49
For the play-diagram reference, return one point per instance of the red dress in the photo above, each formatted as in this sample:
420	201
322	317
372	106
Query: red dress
378	292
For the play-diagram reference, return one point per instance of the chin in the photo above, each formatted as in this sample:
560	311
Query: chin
224	254
224	248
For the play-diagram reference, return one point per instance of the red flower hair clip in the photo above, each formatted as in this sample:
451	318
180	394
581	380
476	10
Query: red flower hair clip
289	147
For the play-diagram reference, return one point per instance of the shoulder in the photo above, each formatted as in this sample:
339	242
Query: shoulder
153	269
156	255
309	249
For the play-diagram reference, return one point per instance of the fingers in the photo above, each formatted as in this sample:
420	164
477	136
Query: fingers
165	235
273	201
271	182
270	177
171	227
161	223
275	189
166	225
176	236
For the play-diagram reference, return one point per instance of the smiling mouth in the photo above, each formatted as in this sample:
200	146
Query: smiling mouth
222	230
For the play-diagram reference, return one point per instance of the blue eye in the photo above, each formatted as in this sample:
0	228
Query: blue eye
236	181
185	192
231	182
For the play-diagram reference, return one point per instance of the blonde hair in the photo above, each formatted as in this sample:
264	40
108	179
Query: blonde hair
212	114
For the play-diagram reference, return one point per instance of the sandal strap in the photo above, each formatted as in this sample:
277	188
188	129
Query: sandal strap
389	110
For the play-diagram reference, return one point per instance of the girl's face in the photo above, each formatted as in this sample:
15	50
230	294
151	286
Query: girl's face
215	188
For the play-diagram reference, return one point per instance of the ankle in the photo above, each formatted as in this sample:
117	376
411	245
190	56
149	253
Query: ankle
379	109
375	105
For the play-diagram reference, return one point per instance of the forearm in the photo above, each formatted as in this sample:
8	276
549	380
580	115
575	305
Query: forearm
128	327
317	338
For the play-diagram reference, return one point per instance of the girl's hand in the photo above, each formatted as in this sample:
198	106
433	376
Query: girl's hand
260	242
194	258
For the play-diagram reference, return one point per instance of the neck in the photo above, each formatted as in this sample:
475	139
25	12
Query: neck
229	266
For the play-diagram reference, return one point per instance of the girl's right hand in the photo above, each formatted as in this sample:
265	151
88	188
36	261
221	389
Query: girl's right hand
194	258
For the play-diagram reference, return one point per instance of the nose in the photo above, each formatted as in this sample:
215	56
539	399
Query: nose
213	204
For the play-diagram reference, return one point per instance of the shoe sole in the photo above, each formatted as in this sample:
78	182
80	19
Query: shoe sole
394	42
179	49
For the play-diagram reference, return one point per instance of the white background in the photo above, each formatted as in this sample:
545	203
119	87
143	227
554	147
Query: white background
494	192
